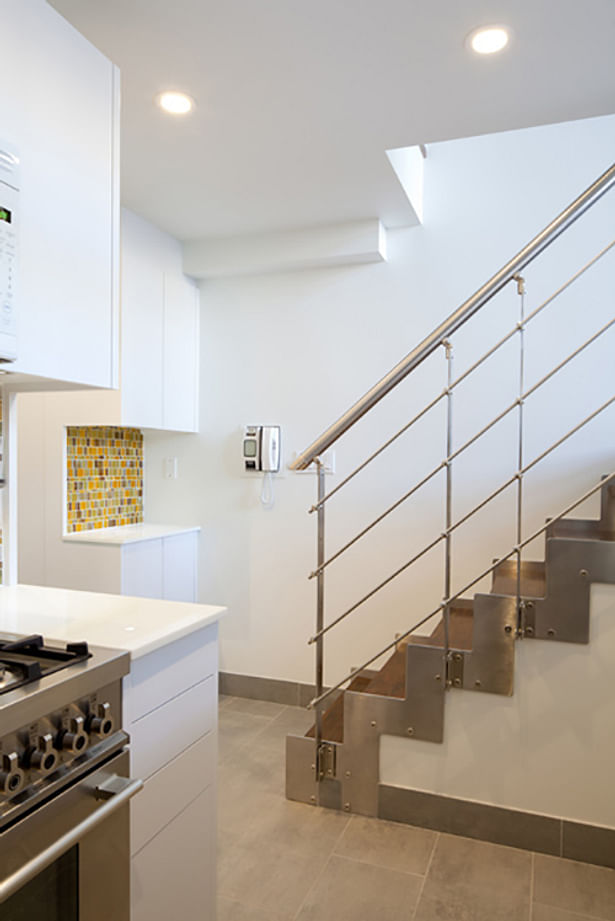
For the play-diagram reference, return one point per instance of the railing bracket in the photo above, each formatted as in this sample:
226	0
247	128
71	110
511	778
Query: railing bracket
454	670
327	761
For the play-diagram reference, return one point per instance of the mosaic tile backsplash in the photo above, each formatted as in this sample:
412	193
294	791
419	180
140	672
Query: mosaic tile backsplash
104	486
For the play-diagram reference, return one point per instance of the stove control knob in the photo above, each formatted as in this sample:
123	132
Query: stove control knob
44	758
75	739
11	775
102	724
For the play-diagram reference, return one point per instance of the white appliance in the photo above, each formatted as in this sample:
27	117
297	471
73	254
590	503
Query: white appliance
9	227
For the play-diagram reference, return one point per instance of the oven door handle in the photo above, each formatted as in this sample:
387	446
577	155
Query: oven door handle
116	791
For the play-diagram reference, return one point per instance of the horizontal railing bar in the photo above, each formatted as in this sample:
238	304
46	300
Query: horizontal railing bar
377	520
531	315
568	434
466	517
458	318
568	359
365	598
448	601
465	374
382	448
473	368
529	392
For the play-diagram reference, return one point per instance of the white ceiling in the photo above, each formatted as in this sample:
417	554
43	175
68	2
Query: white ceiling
297	101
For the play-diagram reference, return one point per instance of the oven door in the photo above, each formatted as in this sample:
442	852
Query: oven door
69	859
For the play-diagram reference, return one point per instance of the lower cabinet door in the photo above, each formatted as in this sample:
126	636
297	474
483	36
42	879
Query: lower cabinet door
142	569
174	876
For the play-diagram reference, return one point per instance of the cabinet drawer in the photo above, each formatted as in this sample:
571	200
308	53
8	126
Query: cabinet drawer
171	789
174	876
160	736
165	673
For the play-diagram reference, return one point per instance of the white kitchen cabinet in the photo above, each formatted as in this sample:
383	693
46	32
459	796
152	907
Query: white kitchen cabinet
160	331
59	112
173	748
149	561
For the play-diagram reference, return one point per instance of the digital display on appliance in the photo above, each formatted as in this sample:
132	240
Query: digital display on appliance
5	215
249	448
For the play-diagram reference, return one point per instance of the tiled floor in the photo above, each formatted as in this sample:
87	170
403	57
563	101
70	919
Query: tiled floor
283	861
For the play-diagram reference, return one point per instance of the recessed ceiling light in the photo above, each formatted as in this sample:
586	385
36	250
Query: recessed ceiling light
175	103
488	39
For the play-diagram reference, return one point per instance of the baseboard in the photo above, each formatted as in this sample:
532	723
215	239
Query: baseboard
528	830
291	693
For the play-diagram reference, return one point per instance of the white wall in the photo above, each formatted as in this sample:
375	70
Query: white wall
297	349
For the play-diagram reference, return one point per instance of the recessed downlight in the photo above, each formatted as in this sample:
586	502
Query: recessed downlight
488	39
175	103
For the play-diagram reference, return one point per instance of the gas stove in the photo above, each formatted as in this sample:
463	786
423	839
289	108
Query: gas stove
60	715
64	785
27	659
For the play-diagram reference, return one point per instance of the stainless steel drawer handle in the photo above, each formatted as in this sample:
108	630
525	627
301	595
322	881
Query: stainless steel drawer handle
116	791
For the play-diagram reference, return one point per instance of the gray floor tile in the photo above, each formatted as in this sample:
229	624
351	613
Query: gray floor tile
387	844
475	880
237	729
349	890
576	887
292	721
230	910
549	913
297	827
256	707
255	766
273	880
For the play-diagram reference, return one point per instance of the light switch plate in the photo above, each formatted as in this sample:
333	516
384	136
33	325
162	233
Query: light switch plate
170	471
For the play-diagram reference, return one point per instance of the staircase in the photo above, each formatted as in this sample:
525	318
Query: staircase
474	634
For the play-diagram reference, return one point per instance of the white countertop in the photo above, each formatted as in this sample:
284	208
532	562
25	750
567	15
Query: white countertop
137	625
128	534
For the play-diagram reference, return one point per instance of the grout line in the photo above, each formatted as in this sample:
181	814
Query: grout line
370	863
573	914
532	876
325	865
427	869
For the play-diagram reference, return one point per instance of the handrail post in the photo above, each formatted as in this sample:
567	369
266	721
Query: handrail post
449	501
519	524
320	621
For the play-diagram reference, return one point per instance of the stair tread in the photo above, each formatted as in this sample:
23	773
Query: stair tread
391	679
533	579
580	529
333	718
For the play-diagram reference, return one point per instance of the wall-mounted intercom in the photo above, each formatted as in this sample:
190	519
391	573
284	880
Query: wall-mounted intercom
261	454
9	222
261	448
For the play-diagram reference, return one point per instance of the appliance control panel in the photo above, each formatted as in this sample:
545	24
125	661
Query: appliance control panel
49	749
9	227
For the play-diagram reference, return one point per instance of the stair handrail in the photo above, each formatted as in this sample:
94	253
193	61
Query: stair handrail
457	319
447	602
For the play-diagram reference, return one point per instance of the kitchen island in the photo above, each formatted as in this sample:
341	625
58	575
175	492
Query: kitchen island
170	712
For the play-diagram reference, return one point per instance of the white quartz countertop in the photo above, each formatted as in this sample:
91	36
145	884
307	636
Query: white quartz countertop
128	534
137	625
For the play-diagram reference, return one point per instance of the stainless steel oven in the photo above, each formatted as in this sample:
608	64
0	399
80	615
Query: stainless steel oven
64	790
69	860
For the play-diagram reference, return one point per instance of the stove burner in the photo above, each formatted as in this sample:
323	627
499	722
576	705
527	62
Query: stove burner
25	660
8	676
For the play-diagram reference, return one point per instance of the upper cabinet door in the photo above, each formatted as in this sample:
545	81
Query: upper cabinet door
142	323
181	354
59	110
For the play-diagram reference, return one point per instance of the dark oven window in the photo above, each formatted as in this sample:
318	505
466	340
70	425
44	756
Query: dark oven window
53	895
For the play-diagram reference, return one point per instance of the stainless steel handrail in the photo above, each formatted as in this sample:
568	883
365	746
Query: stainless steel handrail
453	526
455	383
457	319
448	601
467	444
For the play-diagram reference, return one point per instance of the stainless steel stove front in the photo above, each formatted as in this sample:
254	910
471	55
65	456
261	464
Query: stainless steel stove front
68	859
